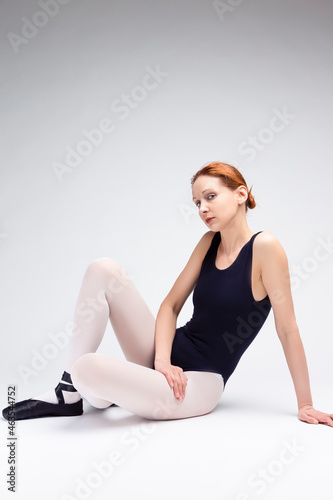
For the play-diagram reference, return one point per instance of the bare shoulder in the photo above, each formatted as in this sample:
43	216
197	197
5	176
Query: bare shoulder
268	246
187	279
203	245
266	238
206	240
208	236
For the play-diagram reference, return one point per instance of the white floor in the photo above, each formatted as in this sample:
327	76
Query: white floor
248	448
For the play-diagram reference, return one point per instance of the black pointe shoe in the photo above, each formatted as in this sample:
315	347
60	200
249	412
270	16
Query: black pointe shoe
34	408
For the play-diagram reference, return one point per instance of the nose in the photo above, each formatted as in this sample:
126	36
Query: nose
203	209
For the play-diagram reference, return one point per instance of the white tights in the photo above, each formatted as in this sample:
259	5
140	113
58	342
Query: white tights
133	384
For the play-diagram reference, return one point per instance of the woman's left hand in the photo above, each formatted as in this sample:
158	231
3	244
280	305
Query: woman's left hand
308	414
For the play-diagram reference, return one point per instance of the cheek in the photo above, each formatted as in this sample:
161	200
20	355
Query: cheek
229	208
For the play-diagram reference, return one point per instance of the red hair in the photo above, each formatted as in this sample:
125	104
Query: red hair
229	175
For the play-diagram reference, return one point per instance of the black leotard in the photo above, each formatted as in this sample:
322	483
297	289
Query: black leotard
225	319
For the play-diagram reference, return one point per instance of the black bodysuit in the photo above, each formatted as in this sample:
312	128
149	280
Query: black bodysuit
225	319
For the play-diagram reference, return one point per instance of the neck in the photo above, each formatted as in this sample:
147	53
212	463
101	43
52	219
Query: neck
234	236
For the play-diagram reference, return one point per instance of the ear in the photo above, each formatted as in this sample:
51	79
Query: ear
241	194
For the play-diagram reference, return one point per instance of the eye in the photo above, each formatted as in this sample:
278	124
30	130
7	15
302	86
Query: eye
209	197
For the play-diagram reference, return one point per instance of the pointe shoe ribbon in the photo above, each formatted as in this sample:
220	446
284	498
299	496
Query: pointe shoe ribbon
34	408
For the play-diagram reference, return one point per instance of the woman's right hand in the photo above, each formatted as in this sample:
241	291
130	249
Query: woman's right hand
175	376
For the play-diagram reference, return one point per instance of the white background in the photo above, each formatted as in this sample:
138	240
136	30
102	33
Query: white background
227	72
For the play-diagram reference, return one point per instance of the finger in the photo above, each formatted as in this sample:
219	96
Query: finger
170	380
312	420
184	384
329	421
308	419
174	384
323	418
180	392
177	390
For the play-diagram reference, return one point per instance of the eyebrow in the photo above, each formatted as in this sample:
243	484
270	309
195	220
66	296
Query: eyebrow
194	198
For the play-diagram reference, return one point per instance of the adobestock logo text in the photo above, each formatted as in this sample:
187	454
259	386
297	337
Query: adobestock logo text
254	143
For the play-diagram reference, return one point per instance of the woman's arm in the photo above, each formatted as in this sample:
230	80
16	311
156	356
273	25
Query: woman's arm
165	328
276	280
166	320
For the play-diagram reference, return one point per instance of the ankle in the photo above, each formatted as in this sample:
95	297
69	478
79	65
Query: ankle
65	391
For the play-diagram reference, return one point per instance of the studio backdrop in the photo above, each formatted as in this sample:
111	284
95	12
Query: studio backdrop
107	110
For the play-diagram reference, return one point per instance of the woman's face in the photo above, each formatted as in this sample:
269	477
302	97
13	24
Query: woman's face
217	203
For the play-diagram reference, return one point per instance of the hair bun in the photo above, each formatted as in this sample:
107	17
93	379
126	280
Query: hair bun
250	203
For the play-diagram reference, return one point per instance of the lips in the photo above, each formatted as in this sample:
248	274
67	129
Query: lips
209	219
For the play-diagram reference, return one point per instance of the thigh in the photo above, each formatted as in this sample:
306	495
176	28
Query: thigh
144	391
130	317
134	326
203	392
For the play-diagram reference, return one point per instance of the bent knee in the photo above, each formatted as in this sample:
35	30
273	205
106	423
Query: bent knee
104	264
112	271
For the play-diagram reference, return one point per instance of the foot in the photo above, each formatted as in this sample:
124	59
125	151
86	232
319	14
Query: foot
49	406
65	392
